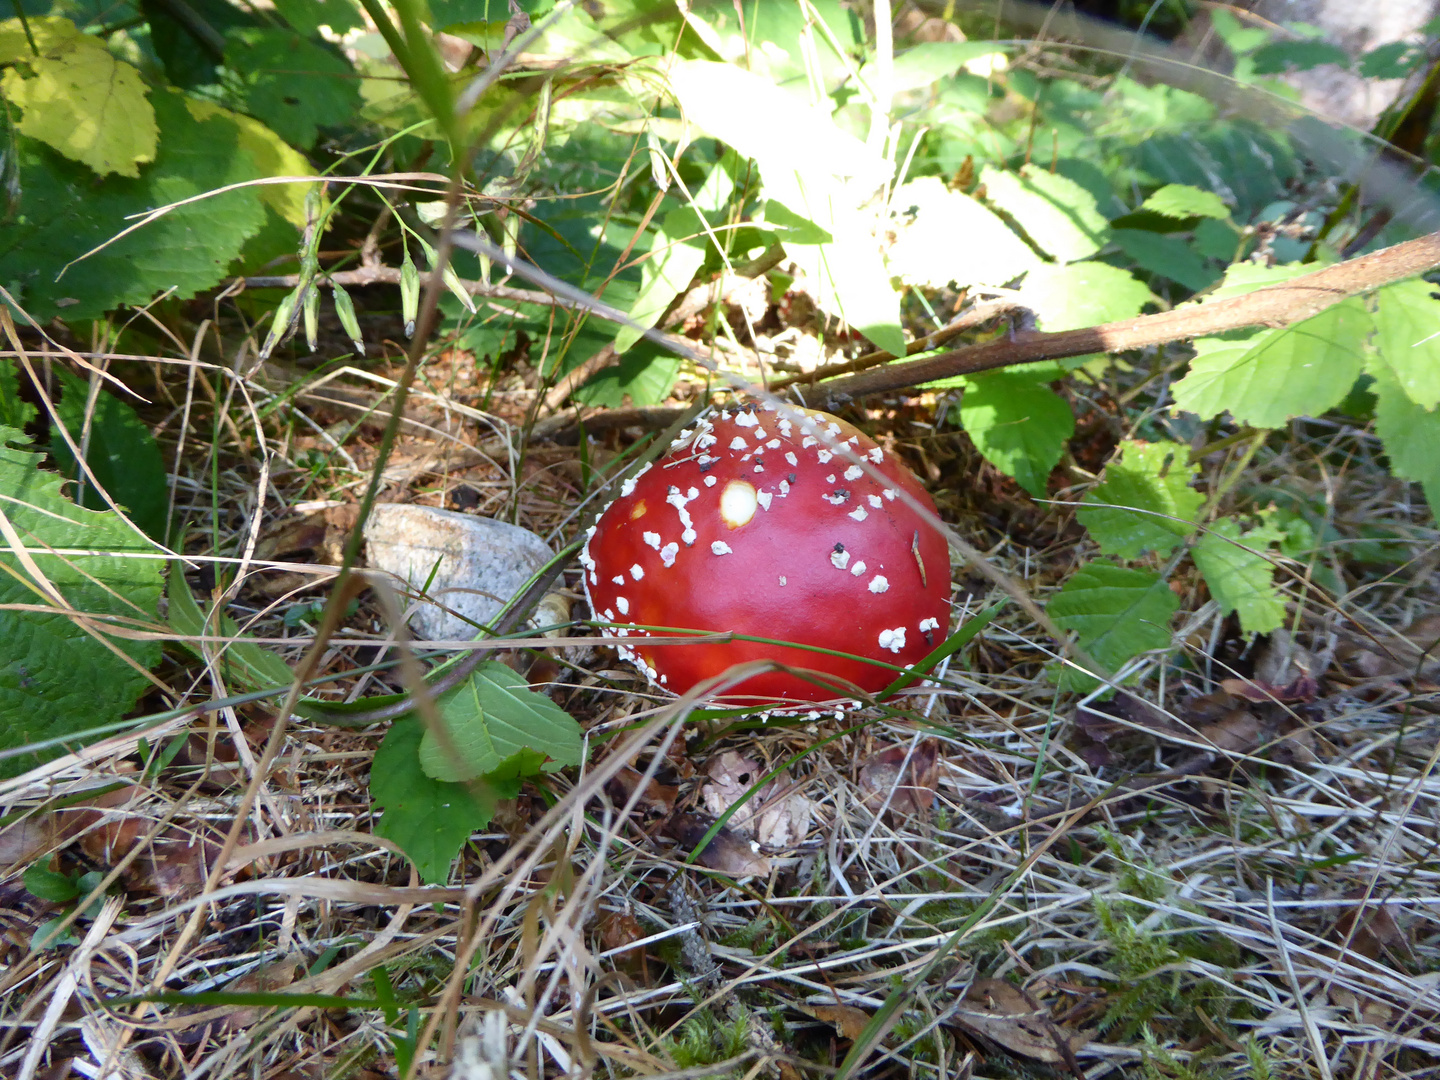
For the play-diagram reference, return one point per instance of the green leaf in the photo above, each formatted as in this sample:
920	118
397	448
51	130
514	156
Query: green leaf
48	885
922	66
1217	240
676	253
82	101
1145	503
945	236
1281	56
1058	215
307	16
273	157
645	375
120	450
1116	614
429	819
820	174
1411	437
1394	60
64	212
1166	256
55	678
293	85
15	411
1265	377
1019	425
1240	576
494	717
1407	339
1184	201
243	662
1082	294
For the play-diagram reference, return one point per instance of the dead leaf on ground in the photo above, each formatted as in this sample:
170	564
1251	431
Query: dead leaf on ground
619	929
849	1021
1001	1012
654	796
728	852
777	815
1399	654
914	792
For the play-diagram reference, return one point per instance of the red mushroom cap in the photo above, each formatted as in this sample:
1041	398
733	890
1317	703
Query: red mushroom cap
750	524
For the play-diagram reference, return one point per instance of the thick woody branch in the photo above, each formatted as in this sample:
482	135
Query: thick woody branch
1274	305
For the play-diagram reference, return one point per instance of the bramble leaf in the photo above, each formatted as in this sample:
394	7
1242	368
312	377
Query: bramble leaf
1018	424
1407	339
1058	215
55	677
1167	256
1265	377
1082	294
1240	576
493	718
81	100
1410	435
1145	503
15	412
1116	613
429	819
1184	201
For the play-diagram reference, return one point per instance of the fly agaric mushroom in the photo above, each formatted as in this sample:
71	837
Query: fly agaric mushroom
750	524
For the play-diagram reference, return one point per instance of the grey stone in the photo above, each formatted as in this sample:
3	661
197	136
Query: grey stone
482	563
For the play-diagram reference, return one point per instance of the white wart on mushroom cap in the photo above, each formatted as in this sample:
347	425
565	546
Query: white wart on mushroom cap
750	524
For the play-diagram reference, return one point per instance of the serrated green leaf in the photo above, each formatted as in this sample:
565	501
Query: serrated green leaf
429	819
292	85
78	98
1116	614
1184	201
244	662
1407	339
45	883
1018	424
1145	502
1245	277
15	411
1411	437
945	237
1266	377
1058	215
273	157
55	678
1167	256
494	717
1082	294
120	451
65	212
1240	577
1394	60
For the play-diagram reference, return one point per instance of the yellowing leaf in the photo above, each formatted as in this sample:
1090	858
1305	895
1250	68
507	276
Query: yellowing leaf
48	32
80	100
273	156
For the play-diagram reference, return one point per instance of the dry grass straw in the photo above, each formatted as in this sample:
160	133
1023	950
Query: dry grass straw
1272	908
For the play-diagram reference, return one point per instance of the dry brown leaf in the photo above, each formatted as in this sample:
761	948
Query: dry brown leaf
777	815
619	929
914	793
849	1021
655	795
1000	1012
727	852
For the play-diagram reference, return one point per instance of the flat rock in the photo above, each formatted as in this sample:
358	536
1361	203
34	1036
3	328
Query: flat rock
482	563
